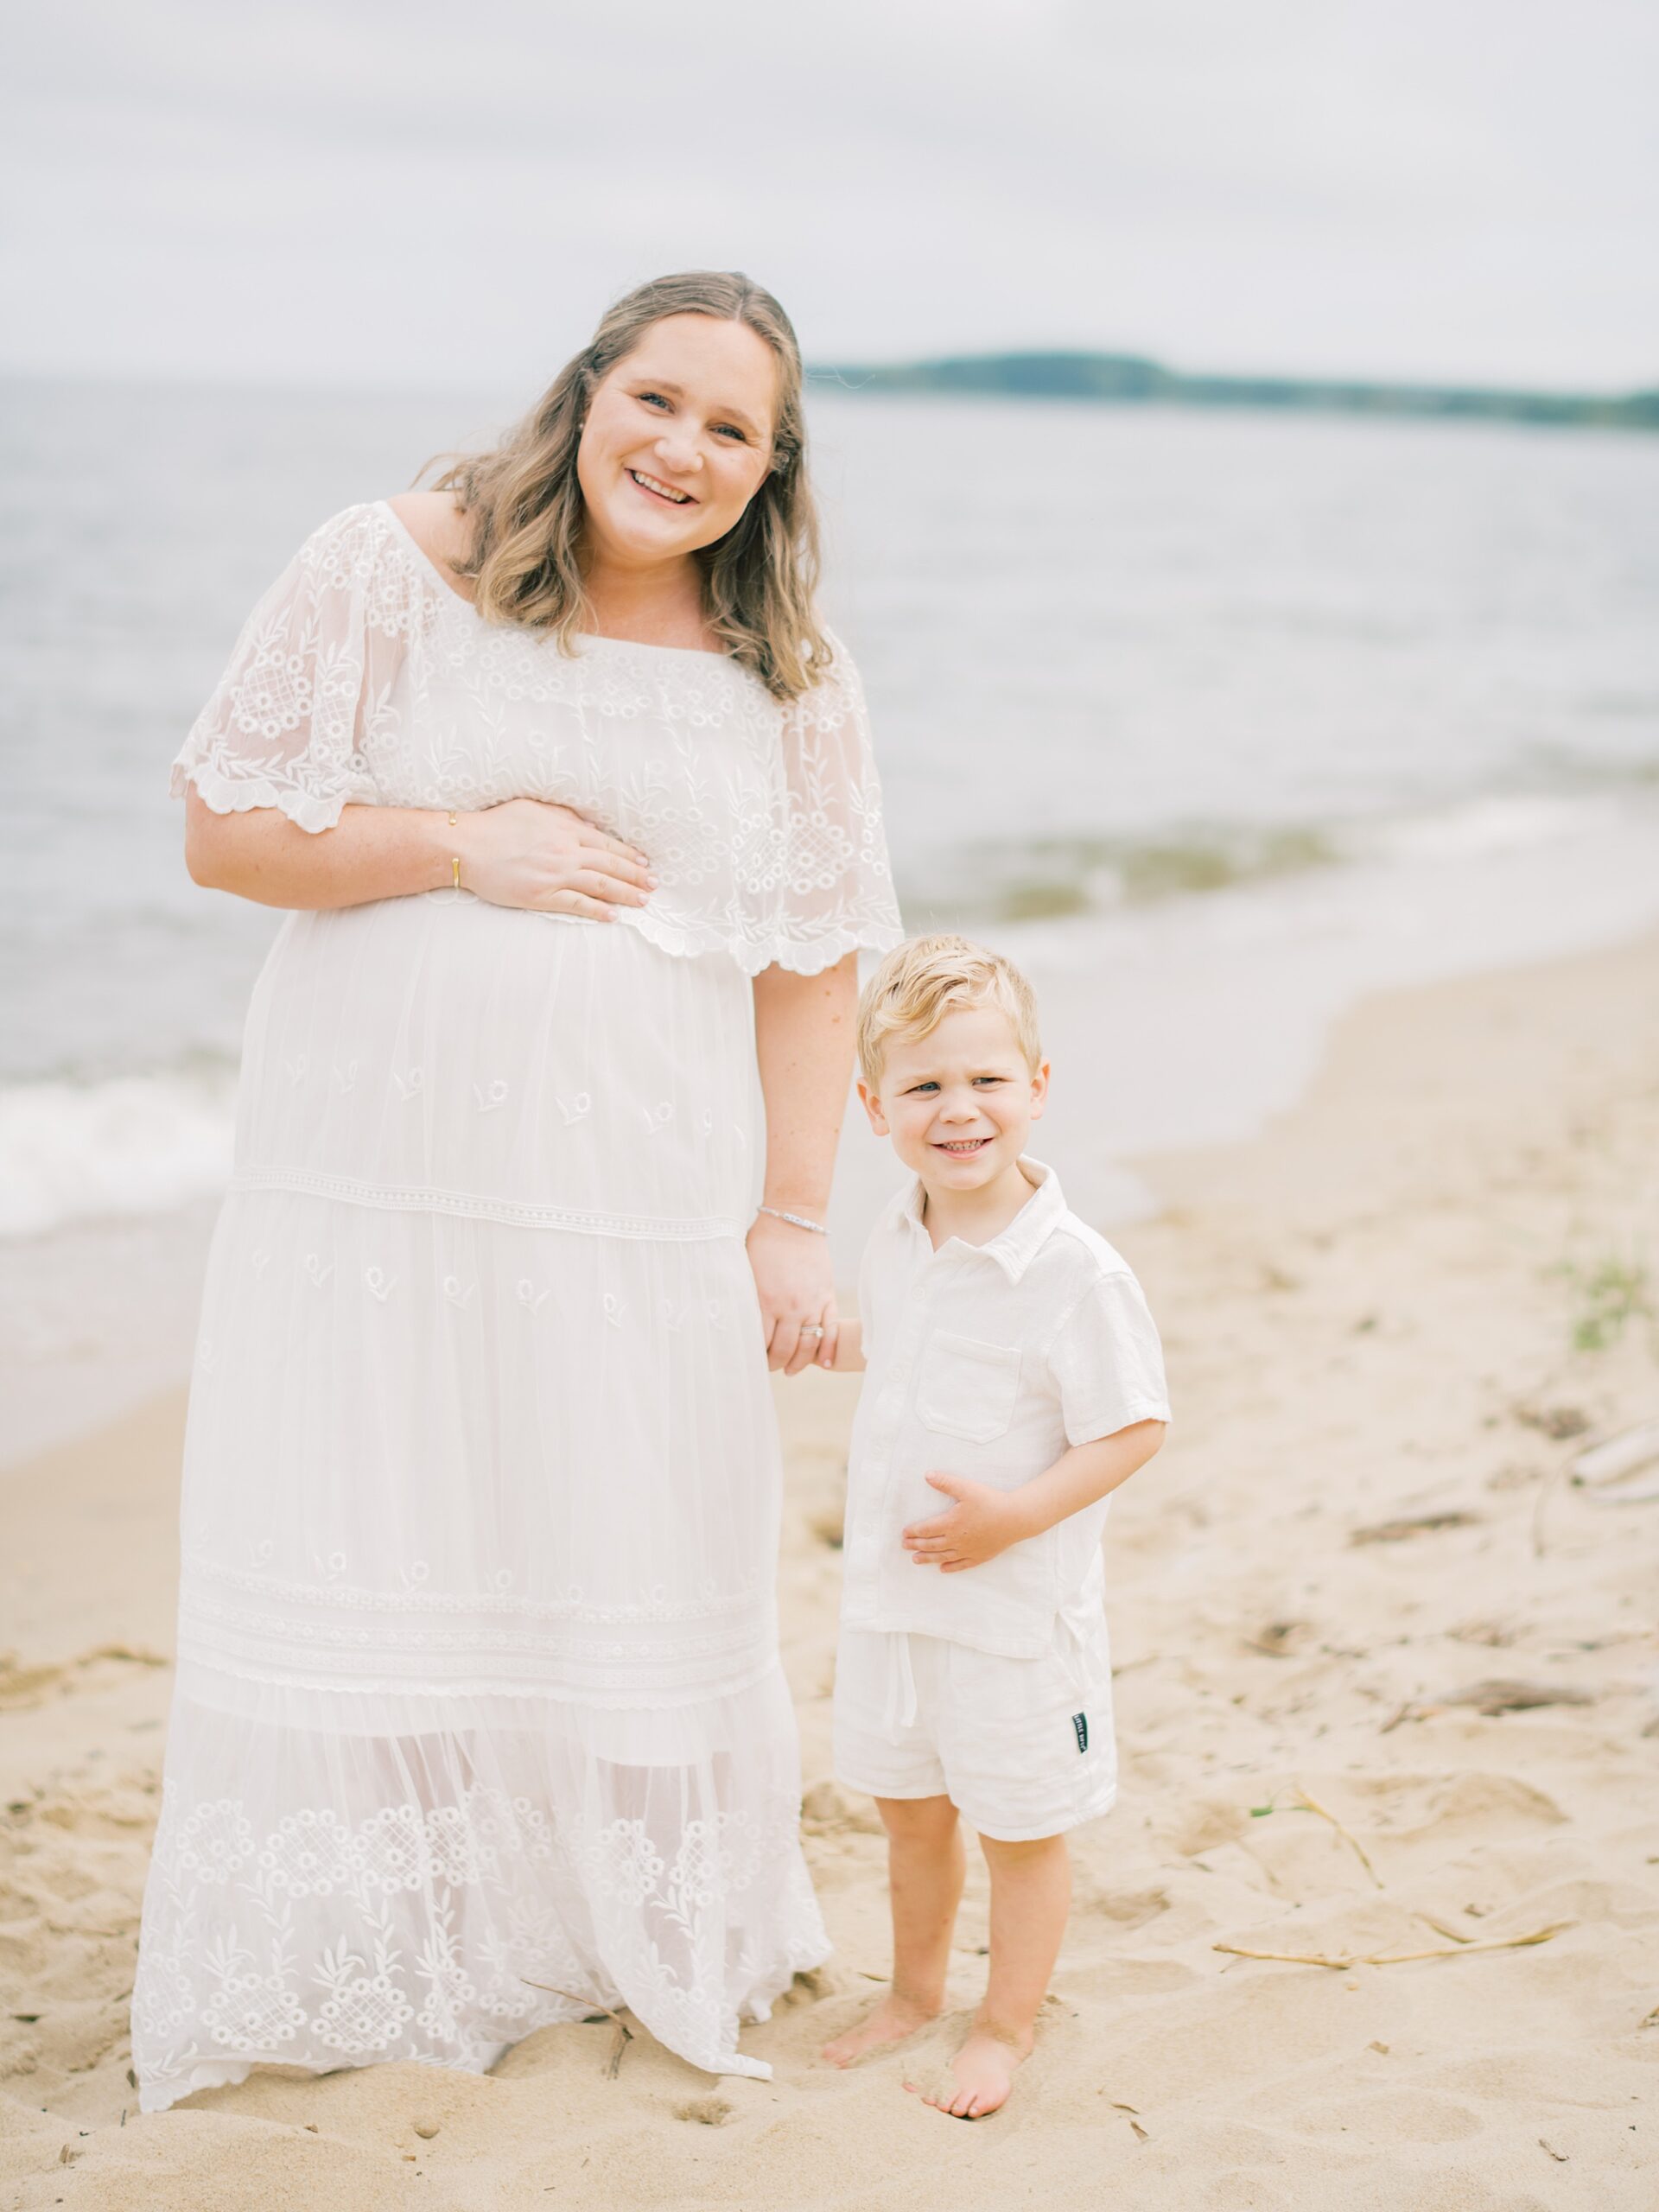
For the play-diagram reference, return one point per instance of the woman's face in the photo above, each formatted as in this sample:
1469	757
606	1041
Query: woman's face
677	439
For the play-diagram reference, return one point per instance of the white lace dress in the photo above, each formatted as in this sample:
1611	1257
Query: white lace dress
478	1682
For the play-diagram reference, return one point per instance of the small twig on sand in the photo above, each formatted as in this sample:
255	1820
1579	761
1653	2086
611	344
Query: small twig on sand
1347	1834
619	2040
1441	1929
1619	1458
1412	1524
1491	1699
1503	1693
1397	1958
1540	1500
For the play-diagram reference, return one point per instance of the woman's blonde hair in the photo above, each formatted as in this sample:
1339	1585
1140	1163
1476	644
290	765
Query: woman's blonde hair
918	983
526	505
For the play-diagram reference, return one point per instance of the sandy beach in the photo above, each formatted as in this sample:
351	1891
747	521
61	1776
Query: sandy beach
1394	1322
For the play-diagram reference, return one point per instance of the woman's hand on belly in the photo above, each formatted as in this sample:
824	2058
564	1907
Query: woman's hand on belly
796	1285
532	853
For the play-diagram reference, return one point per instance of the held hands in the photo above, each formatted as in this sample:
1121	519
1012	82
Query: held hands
796	1285
532	853
981	1522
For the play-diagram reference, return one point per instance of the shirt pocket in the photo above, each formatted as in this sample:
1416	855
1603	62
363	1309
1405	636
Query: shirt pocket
968	1388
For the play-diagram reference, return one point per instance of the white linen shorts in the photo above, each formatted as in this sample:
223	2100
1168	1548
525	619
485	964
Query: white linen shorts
1023	1748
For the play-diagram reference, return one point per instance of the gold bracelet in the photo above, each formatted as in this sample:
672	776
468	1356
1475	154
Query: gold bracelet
454	858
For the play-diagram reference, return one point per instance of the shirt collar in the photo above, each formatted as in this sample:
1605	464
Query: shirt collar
1014	1248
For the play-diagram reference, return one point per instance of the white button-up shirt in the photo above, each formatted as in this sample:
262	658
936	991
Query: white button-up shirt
988	1361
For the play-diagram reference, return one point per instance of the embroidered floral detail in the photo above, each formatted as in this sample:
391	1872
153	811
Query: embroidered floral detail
324	1939
259	1262
411	1086
656	1117
315	1272
360	679
616	1309
346	1081
582	1104
381	1285
490	1099
532	1298
216	1841
458	1292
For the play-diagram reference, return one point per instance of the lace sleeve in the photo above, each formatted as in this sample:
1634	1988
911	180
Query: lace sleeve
836	883
285	725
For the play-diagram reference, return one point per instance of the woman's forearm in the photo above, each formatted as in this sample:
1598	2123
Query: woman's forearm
804	1042
373	852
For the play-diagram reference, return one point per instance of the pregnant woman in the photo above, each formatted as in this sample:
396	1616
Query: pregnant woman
479	1719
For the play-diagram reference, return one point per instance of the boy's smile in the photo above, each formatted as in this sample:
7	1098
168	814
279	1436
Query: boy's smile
958	1104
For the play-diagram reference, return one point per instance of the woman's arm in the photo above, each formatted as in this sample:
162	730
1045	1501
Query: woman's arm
803	1041
523	853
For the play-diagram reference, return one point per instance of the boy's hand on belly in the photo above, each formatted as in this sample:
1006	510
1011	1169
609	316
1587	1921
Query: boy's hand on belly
981	1522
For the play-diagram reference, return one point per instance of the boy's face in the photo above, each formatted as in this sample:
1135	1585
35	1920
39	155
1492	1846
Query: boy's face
959	1102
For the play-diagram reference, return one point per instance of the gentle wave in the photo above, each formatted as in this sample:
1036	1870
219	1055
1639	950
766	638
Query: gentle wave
147	1143
138	1144
1058	879
1503	823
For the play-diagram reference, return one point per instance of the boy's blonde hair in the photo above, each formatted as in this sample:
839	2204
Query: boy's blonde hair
918	983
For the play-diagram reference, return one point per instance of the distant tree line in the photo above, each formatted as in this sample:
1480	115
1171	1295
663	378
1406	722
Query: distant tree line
1128	380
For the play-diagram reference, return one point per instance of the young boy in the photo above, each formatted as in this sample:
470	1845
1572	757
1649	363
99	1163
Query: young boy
1015	1380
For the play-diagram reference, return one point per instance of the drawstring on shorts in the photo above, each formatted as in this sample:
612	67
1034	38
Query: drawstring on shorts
898	1711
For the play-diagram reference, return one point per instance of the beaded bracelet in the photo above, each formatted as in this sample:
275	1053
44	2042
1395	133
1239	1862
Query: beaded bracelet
799	1220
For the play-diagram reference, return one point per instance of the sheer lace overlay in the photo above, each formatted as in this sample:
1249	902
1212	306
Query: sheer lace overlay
478	1680
380	1896
362	678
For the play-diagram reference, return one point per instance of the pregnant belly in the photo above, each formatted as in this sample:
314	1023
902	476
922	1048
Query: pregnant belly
440	1047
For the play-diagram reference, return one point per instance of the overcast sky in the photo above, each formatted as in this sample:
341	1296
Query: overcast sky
391	191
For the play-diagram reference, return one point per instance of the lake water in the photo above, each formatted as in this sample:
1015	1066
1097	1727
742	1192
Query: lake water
1218	719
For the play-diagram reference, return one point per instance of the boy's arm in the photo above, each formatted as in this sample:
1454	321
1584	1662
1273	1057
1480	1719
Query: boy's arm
982	1521
850	1350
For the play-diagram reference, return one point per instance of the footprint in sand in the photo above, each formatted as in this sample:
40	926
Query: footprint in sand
706	2112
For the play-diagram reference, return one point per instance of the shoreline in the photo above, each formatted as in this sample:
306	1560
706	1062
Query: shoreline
1374	1315
1172	1027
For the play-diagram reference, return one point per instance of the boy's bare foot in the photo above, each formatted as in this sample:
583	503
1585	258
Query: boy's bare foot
980	2077
894	2019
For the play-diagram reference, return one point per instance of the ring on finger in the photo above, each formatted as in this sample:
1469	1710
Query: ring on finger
815	1330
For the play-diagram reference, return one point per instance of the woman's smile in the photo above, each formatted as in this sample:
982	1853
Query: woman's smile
659	490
